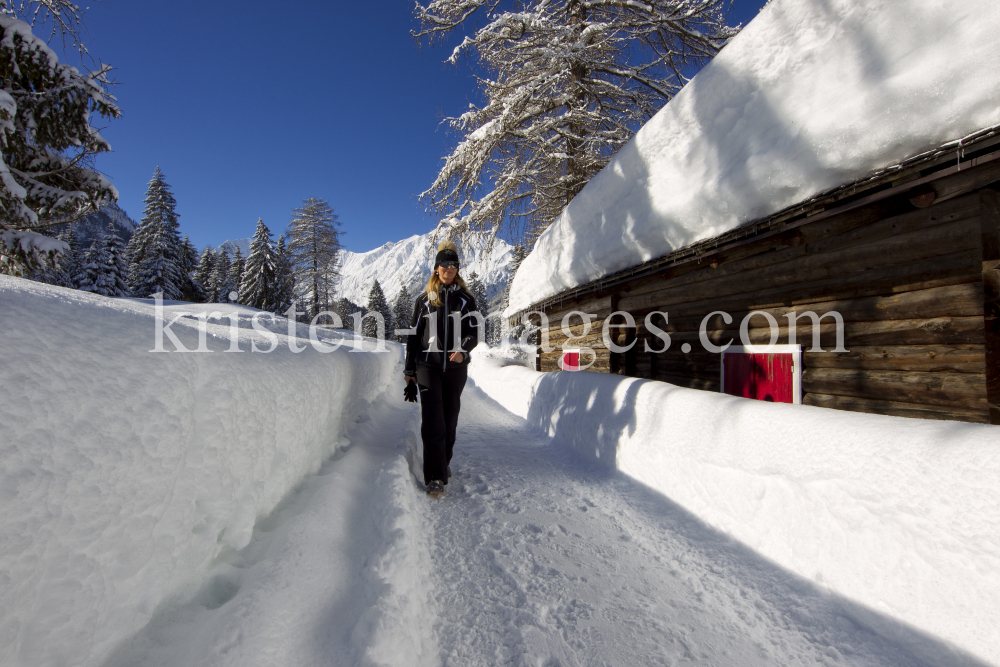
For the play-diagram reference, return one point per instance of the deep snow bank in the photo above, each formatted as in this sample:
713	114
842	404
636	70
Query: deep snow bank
812	94
899	515
124	473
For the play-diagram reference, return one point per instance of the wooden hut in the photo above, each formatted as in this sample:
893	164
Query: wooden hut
909	257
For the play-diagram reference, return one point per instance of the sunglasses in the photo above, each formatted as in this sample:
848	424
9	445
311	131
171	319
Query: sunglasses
449	265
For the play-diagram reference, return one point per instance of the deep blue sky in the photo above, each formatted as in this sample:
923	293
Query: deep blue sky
251	107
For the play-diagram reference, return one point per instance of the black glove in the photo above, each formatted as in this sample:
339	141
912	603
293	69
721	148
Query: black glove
410	392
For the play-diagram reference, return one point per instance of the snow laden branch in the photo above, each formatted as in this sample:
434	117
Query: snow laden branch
566	83
46	140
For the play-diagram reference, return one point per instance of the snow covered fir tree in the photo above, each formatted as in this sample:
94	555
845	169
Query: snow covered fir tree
377	305
46	139
156	250
103	269
220	282
259	286
402	311
284	277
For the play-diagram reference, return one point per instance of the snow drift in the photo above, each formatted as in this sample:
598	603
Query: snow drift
812	94
125	474
901	516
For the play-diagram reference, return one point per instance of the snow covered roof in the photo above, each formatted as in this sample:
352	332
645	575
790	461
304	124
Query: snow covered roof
812	94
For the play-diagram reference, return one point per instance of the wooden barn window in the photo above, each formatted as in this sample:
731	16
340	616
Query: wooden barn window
764	373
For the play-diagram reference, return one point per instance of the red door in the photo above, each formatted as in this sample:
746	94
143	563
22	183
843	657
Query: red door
570	360
759	375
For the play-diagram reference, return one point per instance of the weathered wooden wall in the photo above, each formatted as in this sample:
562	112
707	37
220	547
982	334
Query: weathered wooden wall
918	290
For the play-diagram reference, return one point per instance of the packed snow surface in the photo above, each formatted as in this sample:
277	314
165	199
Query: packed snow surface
224	508
126	473
811	94
899	516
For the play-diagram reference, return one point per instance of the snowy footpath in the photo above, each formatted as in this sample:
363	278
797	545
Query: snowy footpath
260	503
532	557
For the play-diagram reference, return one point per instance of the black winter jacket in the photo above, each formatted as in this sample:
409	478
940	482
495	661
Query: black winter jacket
433	329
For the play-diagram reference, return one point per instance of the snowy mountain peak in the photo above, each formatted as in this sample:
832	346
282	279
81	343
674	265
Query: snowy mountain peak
409	262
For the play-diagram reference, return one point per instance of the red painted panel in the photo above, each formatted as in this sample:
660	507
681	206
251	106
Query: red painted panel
765	377
739	375
570	361
773	377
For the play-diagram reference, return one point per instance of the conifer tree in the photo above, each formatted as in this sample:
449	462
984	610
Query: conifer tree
193	290
314	252
155	250
203	274
402	312
236	276
119	265
61	269
284	277
345	309
46	140
478	291
102	269
377	304
259	287
567	83
221	283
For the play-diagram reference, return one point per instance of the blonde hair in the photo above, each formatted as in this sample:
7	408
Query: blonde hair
433	286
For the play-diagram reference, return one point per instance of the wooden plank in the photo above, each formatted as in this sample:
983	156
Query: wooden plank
963	300
963	390
600	305
956	268
923	245
959	183
789	246
964	209
921	358
853	228
895	408
916	331
936	331
990	240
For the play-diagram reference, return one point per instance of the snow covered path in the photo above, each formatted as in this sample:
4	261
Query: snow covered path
531	558
542	561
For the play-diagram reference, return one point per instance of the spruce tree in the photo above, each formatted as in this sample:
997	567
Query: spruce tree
193	290
402	312
220	282
155	250
259	287
478	291
236	277
314	252
62	269
46	141
102	269
118	268
203	274
345	309
284	277
376	304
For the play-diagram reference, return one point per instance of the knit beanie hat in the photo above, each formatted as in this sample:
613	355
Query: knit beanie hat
447	252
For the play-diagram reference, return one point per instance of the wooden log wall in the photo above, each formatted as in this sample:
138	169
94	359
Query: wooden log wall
918	290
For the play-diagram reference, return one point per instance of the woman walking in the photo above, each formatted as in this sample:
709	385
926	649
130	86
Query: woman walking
445	327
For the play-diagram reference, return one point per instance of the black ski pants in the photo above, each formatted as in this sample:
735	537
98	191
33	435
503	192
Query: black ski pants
440	402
